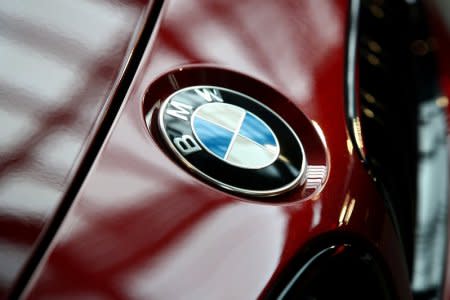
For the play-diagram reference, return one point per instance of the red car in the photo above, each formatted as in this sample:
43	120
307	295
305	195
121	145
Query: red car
224	150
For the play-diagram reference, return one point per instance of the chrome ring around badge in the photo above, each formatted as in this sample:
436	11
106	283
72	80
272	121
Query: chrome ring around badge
232	140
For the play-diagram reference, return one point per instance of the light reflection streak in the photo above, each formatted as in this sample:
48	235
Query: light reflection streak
347	210
21	67
11	256
320	133
358	133
349	146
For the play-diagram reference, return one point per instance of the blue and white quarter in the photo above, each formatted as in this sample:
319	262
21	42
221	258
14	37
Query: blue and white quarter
235	135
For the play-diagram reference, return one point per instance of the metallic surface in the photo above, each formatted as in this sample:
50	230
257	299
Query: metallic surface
288	173
61	63
141	226
315	149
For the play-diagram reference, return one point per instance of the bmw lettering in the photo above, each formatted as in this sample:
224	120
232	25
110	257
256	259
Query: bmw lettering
232	141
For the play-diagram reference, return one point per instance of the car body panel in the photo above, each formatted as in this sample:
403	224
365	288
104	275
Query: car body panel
62	63
142	227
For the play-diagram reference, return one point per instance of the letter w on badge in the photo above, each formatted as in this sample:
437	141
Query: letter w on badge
209	95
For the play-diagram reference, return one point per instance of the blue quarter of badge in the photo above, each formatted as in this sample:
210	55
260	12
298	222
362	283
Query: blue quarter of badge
255	130
217	139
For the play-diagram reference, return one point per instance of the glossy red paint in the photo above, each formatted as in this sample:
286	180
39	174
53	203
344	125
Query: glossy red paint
61	65
142	227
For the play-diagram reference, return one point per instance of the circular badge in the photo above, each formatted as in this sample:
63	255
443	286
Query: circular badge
232	140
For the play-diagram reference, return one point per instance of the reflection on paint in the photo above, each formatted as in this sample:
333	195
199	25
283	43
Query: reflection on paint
208	244
59	60
347	210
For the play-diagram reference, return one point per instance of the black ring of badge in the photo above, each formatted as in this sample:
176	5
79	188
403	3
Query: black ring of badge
286	172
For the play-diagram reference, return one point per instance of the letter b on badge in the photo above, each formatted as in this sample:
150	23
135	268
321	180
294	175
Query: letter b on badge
186	144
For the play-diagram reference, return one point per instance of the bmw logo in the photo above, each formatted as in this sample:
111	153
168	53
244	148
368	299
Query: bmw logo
232	140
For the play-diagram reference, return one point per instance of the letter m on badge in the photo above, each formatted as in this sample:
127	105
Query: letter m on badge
180	110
